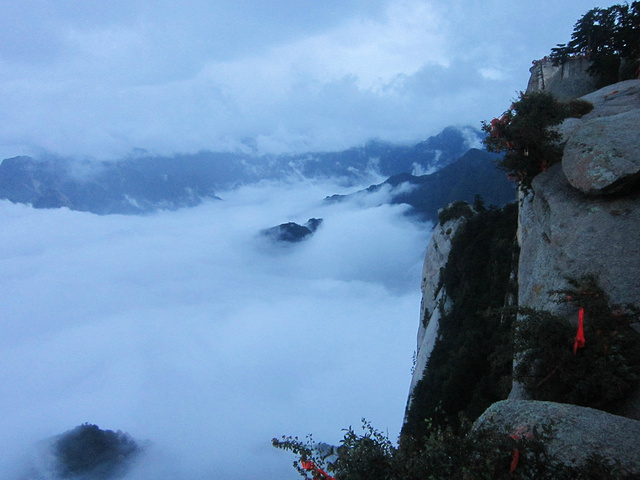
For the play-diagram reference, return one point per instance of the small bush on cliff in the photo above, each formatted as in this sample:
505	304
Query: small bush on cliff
442	455
552	366
453	211
577	108
524	134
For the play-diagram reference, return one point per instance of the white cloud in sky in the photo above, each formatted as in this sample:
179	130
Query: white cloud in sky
101	78
187	329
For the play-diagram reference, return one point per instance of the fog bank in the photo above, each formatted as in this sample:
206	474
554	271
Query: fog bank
190	330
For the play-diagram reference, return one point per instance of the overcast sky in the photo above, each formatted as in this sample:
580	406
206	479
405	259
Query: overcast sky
100	78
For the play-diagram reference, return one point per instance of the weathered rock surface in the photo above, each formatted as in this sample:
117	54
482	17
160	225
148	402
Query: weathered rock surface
566	234
563	232
582	218
566	82
432	295
614	99
611	100
602	155
577	432
436	258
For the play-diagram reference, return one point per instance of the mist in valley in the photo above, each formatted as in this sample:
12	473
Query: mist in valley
193	332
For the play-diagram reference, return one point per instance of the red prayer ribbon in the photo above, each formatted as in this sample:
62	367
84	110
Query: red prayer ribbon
521	432
317	471
580	341
514	461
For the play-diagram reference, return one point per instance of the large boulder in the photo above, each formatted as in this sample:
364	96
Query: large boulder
602	156
576	432
582	217
611	100
564	233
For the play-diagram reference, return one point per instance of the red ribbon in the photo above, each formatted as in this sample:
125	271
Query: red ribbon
521	432
580	341
317	471
514	461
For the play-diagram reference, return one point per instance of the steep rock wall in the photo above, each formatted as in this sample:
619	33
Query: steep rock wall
566	82
572	223
582	217
435	259
433	295
565	234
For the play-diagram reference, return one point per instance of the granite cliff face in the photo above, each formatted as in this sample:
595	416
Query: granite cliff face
434	296
580	219
566	81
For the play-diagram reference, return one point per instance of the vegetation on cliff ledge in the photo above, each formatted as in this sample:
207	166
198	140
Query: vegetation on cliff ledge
600	371
610	39
525	135
483	454
470	366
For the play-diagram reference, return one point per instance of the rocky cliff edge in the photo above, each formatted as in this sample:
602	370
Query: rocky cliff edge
580	219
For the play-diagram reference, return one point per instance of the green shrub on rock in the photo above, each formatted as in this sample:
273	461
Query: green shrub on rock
577	108
524	134
444	454
600	375
454	211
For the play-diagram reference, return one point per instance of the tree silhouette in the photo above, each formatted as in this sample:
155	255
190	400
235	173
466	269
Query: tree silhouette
610	39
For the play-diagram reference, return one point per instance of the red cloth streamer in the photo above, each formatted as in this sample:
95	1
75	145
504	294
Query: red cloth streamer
514	461
317	471
521	432
579	342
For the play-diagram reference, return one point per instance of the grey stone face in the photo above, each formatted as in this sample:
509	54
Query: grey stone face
577	432
602	156
566	234
582	218
566	81
432	296
614	99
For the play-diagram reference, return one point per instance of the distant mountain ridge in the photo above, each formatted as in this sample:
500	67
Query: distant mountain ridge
473	174
148	183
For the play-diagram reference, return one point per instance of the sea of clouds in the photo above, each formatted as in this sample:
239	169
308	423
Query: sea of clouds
192	331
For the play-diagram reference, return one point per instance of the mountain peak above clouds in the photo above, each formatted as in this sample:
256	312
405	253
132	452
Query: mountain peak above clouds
472	174
146	183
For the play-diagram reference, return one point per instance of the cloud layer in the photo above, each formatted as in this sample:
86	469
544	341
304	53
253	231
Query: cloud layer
99	80
188	329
